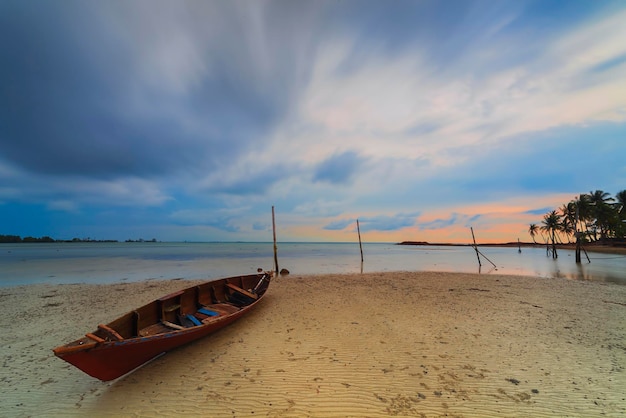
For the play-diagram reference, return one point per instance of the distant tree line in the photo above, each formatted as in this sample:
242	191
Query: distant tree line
141	240
592	217
17	239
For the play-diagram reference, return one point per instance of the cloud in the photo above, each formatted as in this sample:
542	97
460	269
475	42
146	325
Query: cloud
338	169
339	225
440	223
540	211
388	223
454	219
63	205
376	223
166	111
116	93
74	193
244	179
261	226
193	217
398	105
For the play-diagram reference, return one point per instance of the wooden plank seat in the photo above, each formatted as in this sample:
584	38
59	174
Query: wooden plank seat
241	291
159	328
206	315
110	333
223	308
208	312
188	321
94	337
213	312
193	319
202	316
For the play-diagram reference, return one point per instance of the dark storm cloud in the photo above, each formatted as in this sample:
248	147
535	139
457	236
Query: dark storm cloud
61	94
77	96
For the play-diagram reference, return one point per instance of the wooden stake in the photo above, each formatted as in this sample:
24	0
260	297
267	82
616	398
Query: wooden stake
586	255
360	245
475	247
275	247
478	253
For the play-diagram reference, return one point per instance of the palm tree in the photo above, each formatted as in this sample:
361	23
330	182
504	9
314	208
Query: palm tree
621	213
552	224
532	230
568	219
602	211
600	197
621	197
585	216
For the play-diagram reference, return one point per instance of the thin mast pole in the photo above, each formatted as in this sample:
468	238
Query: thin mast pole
478	253
275	247
360	245
475	247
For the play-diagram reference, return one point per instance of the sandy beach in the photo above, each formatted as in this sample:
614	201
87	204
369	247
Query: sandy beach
392	344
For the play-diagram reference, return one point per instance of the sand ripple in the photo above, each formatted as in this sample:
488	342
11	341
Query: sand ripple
393	344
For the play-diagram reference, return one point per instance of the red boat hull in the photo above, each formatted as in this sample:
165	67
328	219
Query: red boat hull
108	360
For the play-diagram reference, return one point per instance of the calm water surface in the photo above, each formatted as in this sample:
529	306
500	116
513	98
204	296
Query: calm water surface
114	262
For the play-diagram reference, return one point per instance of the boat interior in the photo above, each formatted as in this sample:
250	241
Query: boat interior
191	307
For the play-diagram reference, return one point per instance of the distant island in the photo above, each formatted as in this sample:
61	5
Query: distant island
428	243
443	244
16	239
610	246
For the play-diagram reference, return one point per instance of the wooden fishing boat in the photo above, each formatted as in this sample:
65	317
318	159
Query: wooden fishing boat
133	339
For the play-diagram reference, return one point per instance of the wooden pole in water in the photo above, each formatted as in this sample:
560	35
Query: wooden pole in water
478	253
360	245
578	244
275	247
586	255
475	247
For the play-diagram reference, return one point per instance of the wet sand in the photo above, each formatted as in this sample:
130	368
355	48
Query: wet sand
390	344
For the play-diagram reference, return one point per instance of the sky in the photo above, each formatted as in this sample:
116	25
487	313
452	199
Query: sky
190	120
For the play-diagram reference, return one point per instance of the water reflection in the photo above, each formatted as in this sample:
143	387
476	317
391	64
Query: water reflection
508	260
103	263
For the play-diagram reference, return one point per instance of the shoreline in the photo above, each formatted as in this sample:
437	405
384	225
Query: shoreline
590	247
374	344
123	262
594	247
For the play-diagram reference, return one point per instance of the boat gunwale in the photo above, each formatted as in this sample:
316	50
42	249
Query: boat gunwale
76	347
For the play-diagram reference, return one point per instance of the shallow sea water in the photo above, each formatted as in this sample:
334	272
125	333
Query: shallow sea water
55	263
